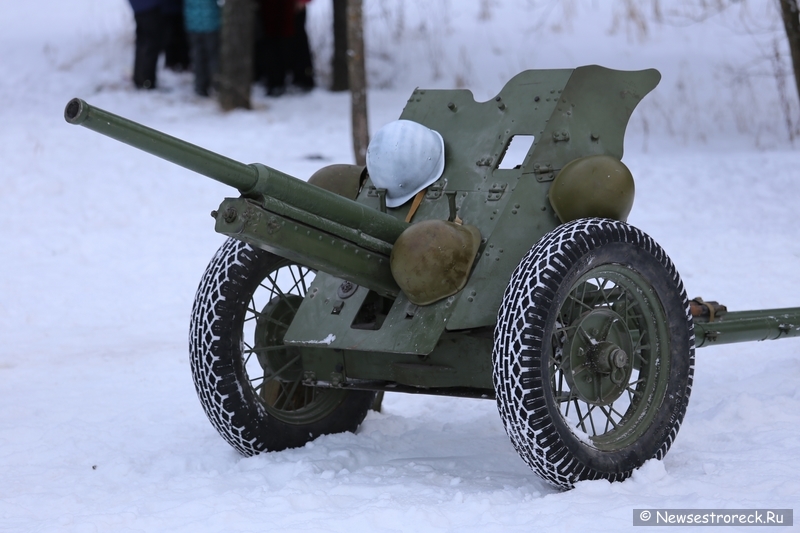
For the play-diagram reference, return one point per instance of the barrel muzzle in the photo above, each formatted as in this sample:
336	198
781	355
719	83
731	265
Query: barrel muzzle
76	111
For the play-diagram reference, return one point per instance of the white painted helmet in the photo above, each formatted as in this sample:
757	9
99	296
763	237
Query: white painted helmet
404	157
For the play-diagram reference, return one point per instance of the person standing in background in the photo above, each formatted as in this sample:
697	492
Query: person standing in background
149	40
302	65
203	20
284	47
277	17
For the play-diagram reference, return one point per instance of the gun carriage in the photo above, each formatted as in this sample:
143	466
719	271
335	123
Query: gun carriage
513	280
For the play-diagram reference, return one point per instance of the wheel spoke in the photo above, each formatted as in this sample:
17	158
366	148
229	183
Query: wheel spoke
299	280
620	415
556	363
578	301
253	311
609	419
290	395
281	369
602	290
276	288
591	420
282	324
580	417
616	299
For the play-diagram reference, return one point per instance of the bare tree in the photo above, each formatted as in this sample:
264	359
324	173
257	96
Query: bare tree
236	54
339	59
790	12
358	79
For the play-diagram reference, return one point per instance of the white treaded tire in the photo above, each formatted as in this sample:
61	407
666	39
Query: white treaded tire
593	353
248	382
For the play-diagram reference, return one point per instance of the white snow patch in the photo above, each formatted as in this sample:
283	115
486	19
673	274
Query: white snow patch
327	340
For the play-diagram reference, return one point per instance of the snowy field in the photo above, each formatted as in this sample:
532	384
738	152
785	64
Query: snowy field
103	247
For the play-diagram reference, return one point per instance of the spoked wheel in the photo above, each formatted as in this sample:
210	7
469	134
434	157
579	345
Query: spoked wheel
248	381
594	353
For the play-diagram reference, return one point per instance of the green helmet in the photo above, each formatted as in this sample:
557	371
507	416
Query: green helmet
432	259
593	186
344	180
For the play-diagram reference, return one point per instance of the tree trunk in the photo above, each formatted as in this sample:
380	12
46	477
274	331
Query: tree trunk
358	80
236	54
339	58
790	10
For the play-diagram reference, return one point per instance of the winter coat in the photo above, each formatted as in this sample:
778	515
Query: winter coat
140	6
201	16
172	7
278	18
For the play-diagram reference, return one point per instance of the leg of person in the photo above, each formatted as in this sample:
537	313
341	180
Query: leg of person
199	62
301	62
148	47
212	39
276	66
205	59
176	42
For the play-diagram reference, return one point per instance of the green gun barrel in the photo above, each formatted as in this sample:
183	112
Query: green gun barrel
277	212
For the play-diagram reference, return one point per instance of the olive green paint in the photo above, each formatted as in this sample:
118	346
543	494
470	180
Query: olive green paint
457	362
745	326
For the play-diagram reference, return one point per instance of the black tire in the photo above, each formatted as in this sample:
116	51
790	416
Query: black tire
235	343
595	318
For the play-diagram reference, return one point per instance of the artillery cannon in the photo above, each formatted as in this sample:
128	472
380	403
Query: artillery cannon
518	281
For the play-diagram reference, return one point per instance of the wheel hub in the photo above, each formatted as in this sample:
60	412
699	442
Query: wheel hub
598	363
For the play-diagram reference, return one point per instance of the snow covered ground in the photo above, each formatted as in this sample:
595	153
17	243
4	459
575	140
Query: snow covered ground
103	246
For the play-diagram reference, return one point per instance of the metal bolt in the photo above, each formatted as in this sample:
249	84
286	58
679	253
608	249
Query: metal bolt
347	289
230	215
619	358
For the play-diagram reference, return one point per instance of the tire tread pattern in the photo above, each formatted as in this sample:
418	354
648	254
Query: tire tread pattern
223	400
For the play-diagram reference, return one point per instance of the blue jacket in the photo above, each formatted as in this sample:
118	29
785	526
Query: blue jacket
201	16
